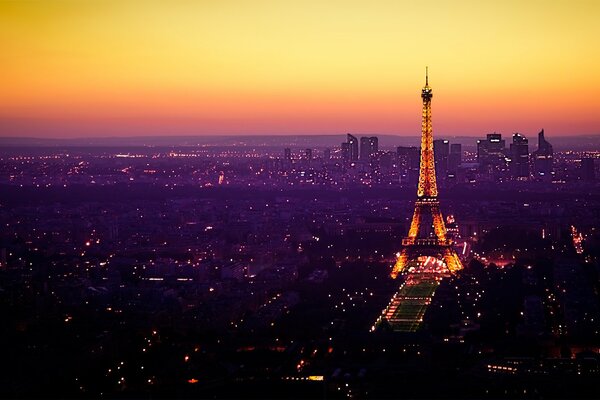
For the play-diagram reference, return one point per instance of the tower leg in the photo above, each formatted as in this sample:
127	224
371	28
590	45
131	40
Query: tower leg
451	259
439	226
401	263
415	224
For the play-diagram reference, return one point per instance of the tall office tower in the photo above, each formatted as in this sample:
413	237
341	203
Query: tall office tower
327	154
308	154
408	163
368	147
427	207
519	156
543	158
455	157
287	154
352	147
365	152
491	150
373	145
587	169
441	151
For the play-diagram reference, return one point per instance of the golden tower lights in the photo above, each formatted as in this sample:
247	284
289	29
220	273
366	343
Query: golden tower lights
427	202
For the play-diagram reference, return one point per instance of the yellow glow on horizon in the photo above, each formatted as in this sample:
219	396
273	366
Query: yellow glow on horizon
298	66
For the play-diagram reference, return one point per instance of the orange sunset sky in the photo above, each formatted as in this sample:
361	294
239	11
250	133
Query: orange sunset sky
128	68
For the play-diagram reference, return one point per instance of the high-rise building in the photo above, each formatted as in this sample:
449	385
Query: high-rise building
352	147
287	154
519	156
327	154
454	158
374	144
365	152
491	150
543	158
441	151
368	147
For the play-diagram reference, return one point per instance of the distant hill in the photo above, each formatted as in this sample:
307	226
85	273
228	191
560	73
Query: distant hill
579	142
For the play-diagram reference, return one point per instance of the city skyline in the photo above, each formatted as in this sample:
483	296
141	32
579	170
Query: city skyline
245	199
144	68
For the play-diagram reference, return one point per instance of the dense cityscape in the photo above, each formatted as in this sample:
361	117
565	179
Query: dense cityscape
217	271
282	199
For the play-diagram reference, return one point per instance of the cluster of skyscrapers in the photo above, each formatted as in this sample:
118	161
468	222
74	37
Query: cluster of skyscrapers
494	157
369	146
494	160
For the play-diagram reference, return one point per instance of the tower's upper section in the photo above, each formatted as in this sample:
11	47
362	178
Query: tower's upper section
426	93
427	187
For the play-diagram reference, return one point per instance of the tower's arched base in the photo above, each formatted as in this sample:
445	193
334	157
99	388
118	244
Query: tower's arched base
445	253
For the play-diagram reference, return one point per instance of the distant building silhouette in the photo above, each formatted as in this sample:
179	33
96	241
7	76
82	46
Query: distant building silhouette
519	156
491	150
368	147
543	158
352	145
441	151
287	154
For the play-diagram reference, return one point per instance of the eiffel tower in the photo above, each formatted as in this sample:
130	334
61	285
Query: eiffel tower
427	204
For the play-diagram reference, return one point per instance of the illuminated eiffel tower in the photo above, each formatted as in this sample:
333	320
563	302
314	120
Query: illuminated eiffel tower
427	204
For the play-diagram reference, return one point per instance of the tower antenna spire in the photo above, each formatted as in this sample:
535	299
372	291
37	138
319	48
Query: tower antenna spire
426	76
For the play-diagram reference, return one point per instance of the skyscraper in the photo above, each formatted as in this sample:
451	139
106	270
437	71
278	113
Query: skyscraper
491	150
352	147
441	151
368	147
287	154
543	158
492	157
519	156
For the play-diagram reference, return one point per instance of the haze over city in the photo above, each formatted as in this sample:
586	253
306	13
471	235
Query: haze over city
128	68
